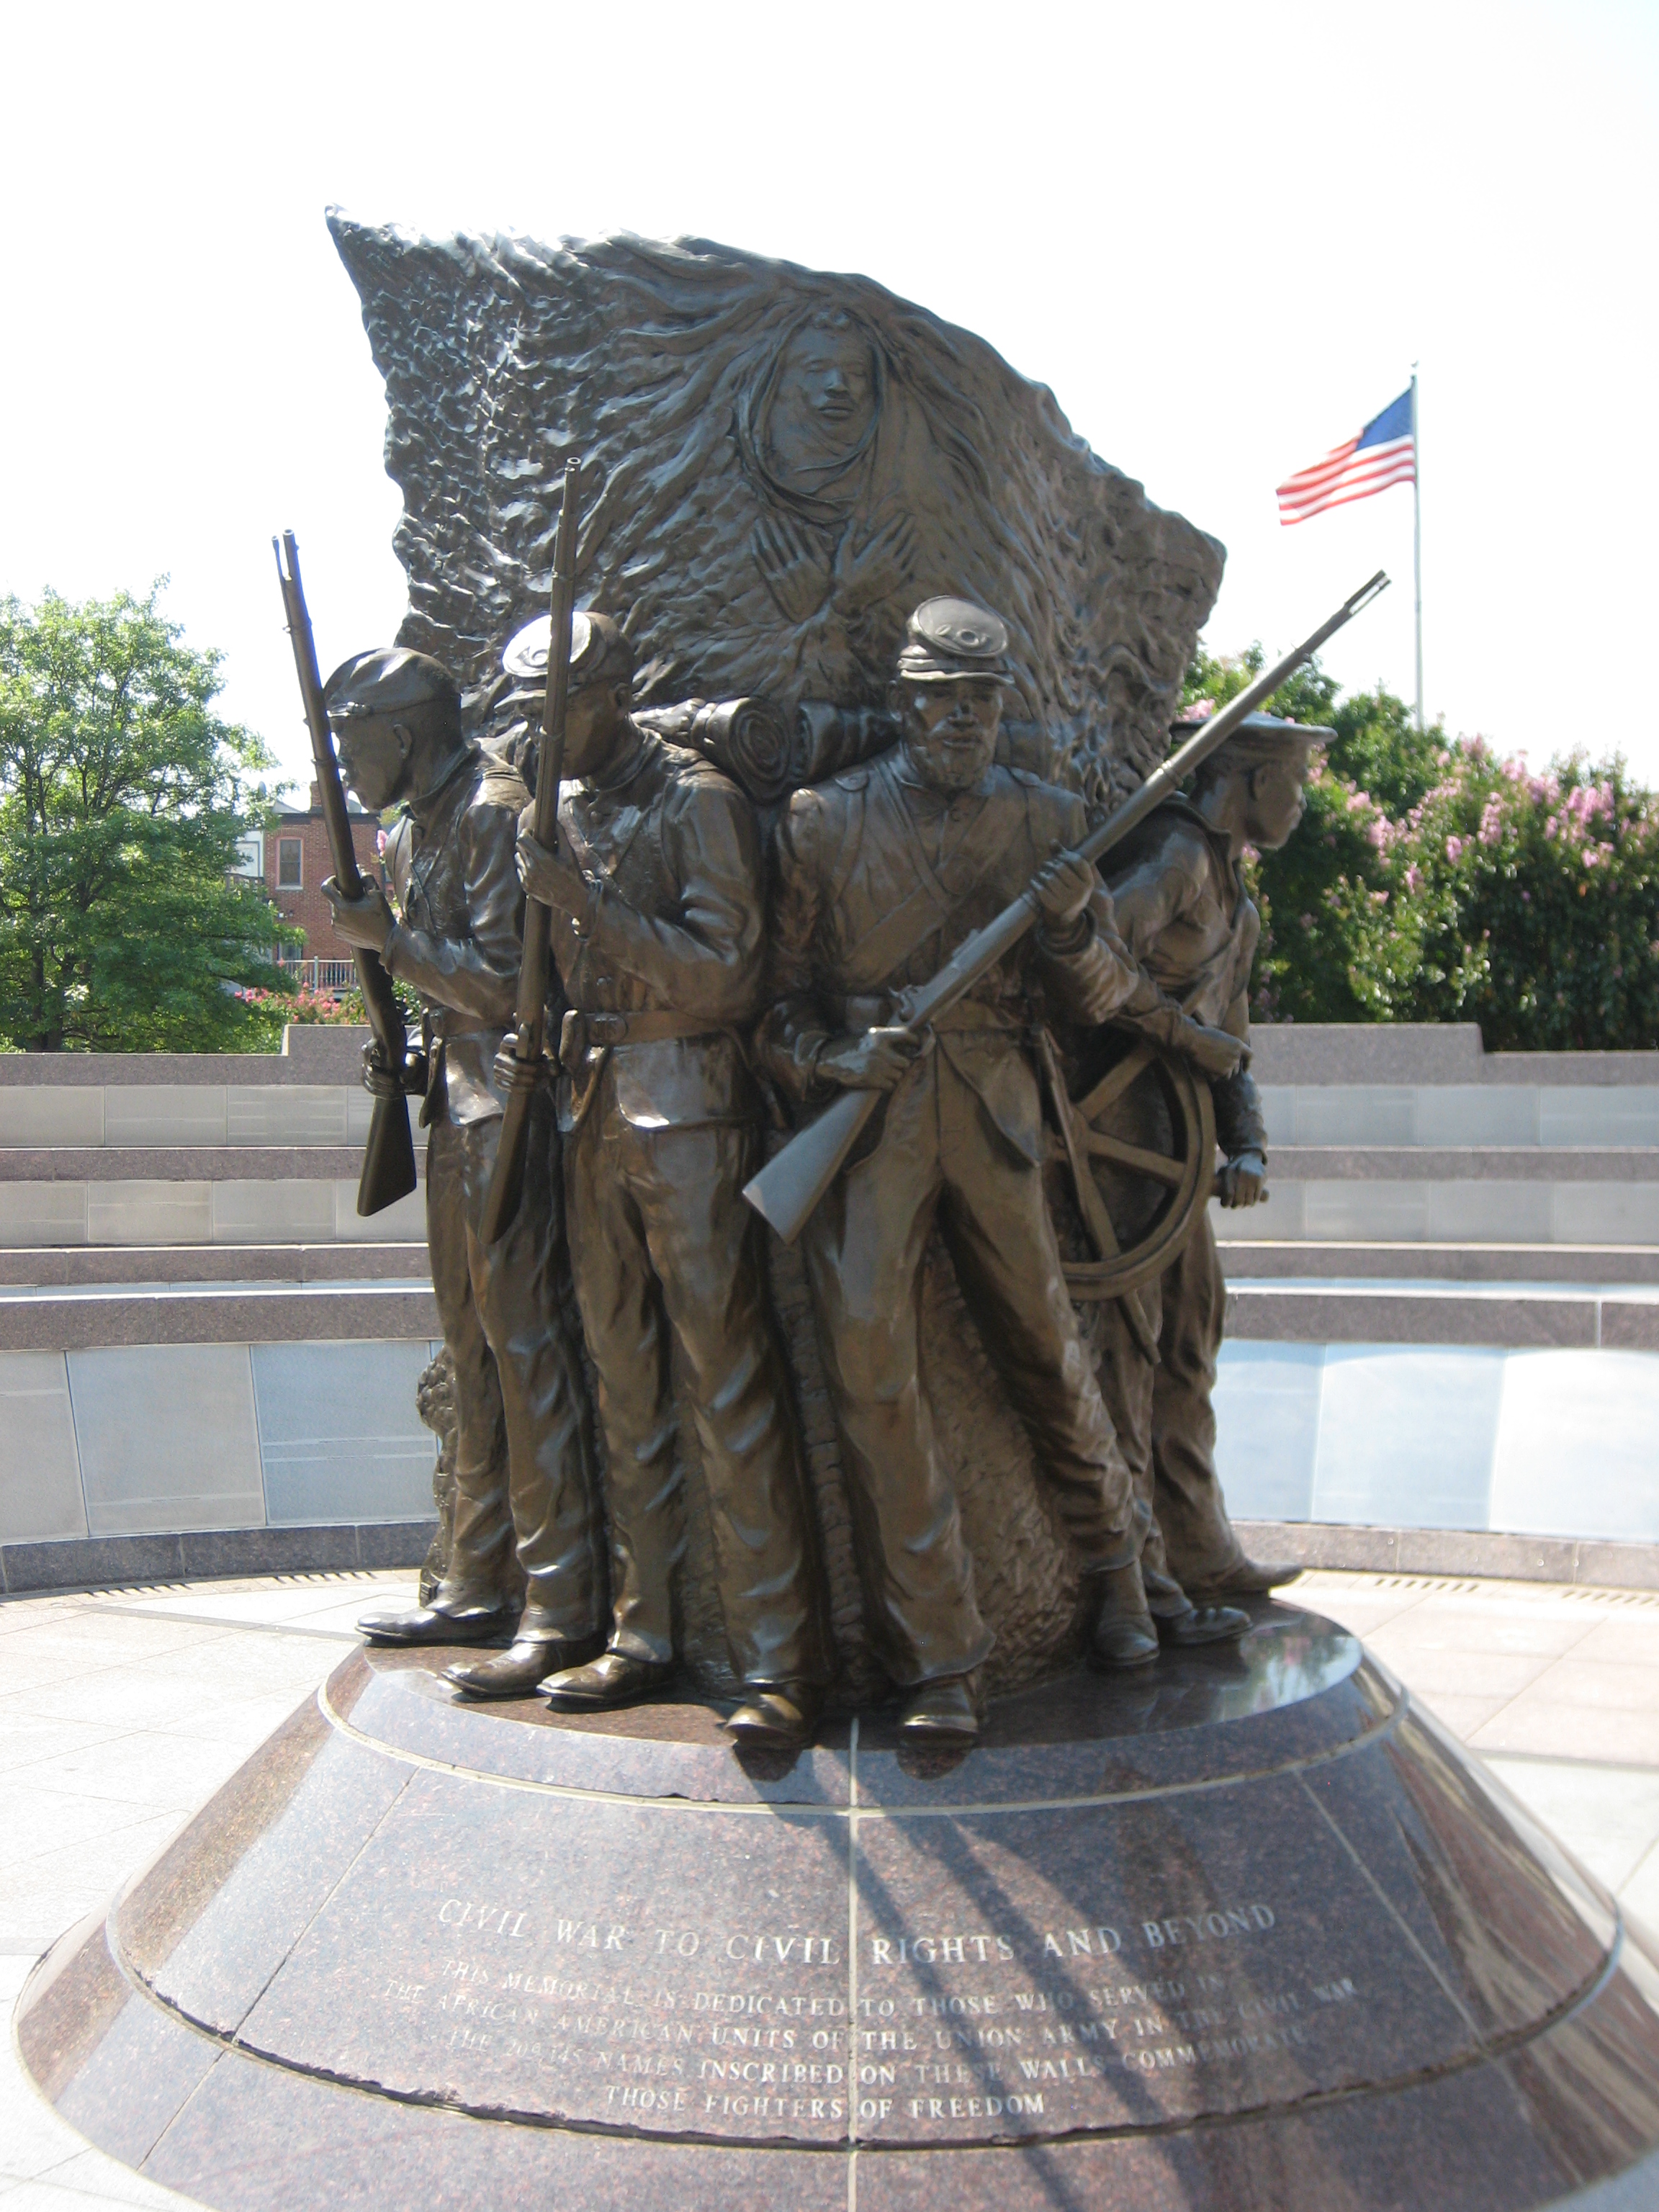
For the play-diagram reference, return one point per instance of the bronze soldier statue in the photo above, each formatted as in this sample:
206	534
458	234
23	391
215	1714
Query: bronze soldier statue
517	1375
1184	910
657	918
880	874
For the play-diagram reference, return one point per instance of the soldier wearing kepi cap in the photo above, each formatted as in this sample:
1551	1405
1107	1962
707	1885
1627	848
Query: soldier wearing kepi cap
525	1476
656	891
881	874
1184	910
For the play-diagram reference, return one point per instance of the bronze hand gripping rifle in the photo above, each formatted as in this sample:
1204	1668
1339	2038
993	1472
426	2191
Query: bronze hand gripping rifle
789	1188
389	1156
506	1184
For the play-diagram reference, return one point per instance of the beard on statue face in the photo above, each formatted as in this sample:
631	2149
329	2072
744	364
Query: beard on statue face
951	731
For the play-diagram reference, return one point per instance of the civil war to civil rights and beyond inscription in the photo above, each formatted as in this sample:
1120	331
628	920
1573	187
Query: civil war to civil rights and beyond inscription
839	732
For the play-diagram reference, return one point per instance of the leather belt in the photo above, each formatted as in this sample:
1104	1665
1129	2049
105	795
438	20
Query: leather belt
650	1026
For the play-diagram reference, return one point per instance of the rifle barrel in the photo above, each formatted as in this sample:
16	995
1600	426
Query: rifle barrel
506	1190
389	1156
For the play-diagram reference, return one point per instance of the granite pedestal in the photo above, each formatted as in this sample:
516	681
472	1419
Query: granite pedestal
1253	1933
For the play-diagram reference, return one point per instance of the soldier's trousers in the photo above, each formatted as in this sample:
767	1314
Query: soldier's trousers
519	1384
667	1252
938	1160
1166	1419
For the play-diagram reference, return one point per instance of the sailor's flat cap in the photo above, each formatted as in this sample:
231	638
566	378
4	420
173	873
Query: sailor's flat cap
950	640
389	680
1258	737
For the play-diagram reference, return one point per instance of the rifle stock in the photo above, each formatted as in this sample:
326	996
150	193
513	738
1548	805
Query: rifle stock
389	1156
505	1192
789	1186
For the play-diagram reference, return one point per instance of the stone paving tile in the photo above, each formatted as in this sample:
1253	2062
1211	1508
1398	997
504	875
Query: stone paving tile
142	1768
1607	1815
1551	1730
26	1736
1453	1670
1605	1687
1462	1716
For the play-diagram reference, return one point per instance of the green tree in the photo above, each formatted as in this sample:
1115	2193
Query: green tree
123	796
1432	882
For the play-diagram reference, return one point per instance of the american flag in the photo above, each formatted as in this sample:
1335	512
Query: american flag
1384	454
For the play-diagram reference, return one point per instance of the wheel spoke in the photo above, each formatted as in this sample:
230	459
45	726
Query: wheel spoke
1111	1087
1155	1164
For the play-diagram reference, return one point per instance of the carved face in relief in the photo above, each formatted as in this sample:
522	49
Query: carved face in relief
818	412
949	730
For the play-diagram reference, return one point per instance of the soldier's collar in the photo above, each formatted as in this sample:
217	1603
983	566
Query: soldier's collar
420	809
905	770
628	763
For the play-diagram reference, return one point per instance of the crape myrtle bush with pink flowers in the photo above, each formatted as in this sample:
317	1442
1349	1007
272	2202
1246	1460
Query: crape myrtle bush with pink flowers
1433	881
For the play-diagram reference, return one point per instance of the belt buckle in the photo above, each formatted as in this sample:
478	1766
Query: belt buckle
607	1029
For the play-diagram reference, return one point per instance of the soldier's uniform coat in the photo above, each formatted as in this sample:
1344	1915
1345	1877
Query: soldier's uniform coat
664	971
878	879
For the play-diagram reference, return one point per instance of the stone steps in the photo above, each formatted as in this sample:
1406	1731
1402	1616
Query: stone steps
74	1320
1255	1259
1521	1317
75	1266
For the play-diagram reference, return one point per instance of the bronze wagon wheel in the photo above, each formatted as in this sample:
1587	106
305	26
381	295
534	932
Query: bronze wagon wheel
1139	1141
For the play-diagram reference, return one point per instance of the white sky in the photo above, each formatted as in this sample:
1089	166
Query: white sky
1221	234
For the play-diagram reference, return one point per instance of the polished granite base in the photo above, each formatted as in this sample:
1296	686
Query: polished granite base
1253	1933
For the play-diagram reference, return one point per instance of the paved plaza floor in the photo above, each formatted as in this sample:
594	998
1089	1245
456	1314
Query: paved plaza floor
122	1711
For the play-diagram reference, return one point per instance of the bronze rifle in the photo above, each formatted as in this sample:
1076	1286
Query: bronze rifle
389	1156
506	1184
789	1188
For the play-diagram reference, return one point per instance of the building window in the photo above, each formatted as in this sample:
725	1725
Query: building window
290	874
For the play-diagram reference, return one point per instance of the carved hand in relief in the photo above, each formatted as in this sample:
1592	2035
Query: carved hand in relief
365	921
1243	1182
871	1059
791	568
552	877
878	568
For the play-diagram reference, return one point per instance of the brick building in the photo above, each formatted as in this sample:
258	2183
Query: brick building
294	861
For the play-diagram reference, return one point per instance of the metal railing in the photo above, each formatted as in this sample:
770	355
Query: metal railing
319	975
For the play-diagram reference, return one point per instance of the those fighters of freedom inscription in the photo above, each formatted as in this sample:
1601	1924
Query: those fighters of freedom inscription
1217	1919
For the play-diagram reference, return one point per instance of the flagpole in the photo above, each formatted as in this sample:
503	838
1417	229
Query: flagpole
1417	541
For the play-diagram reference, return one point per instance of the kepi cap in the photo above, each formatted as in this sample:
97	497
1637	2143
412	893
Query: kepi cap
389	680
948	641
596	645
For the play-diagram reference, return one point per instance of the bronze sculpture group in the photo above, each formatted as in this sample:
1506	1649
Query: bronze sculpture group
702	987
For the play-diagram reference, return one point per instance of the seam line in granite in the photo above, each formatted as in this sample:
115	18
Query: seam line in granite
958	1808
852	1966
1382	1899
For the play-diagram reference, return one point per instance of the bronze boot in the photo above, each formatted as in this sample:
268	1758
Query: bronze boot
615	1678
776	1716
1203	1624
1123	1634
1247	1578
521	1669
943	1711
439	1624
